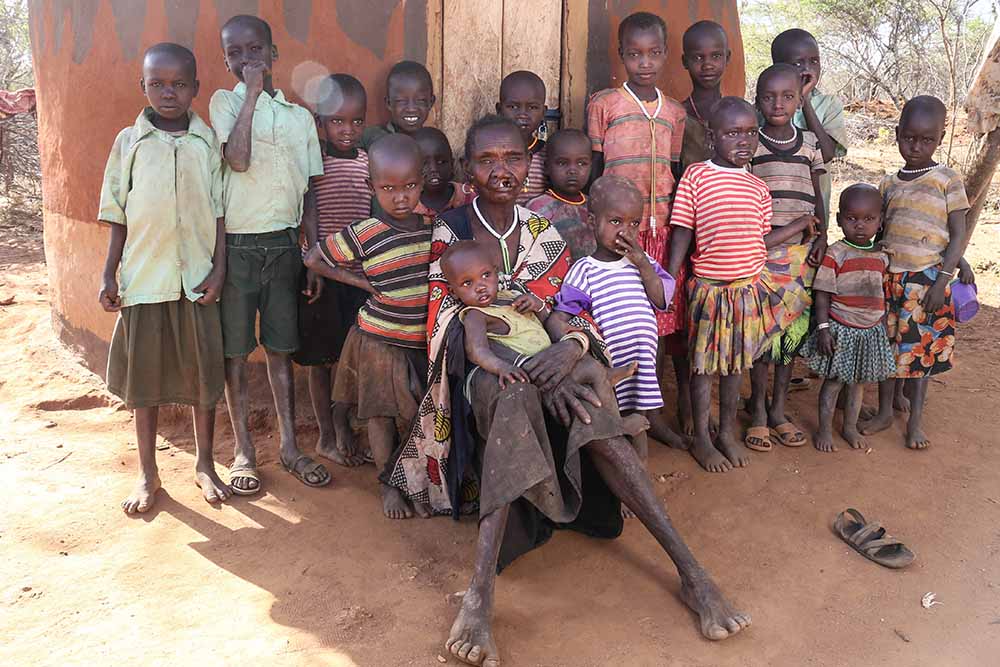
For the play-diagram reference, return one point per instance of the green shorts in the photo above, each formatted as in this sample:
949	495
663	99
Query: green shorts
262	275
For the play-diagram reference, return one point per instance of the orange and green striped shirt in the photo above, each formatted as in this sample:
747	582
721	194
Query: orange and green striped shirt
395	261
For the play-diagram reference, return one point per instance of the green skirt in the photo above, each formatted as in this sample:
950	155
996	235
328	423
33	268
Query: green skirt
860	356
165	353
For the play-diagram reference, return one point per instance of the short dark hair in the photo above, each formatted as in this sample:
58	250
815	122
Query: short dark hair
858	189
462	249
774	70
485	123
393	146
348	86
181	53
641	21
702	28
566	134
253	21
433	134
409	68
522	76
603	187
727	104
926	104
787	39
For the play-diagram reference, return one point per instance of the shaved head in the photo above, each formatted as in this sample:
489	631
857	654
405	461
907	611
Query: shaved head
924	105
704	29
175	53
460	254
788	40
522	78
859	192
610	188
728	106
253	22
394	149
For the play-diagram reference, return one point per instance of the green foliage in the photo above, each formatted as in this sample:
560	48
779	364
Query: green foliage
15	45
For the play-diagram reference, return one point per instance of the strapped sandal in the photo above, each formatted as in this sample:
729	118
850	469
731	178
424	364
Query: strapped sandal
300	471
244	472
758	439
870	540
789	435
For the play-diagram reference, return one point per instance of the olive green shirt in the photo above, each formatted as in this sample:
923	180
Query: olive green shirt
284	153
166	188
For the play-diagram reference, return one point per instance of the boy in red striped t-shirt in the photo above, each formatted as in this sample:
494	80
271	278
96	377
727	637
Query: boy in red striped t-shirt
735	305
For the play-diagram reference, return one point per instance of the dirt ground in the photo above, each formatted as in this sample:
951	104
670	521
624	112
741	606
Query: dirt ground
300	576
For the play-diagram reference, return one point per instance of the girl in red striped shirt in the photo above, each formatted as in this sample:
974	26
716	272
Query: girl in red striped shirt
735	304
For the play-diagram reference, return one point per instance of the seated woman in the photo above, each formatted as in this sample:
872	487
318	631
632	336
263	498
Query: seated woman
535	473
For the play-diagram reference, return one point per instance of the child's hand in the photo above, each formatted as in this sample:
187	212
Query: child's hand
314	286
108	296
966	274
211	287
810	224
253	77
818	251
509	374
629	247
808	83
934	297
528	303
825	344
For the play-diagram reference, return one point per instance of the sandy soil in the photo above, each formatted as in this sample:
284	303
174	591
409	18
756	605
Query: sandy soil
299	576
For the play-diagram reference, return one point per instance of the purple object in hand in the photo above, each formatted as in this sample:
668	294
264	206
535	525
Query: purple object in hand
963	297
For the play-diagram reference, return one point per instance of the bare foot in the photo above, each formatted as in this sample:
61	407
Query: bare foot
619	373
659	430
853	438
866	413
471	636
708	457
347	456
211	485
732	449
423	510
634	424
901	403
823	441
627	513
718	618
141	498
917	440
875	424
394	505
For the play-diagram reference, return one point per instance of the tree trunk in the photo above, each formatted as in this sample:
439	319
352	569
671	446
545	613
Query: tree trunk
982	164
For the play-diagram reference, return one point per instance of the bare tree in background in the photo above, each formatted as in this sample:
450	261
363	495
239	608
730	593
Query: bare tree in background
20	170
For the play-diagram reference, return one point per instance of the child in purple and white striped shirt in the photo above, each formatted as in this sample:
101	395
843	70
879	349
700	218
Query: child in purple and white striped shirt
621	287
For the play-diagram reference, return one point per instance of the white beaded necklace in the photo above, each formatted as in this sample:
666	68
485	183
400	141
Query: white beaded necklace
652	150
502	238
917	171
795	135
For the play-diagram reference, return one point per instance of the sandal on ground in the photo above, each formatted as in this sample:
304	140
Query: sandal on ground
870	540
303	466
758	439
789	435
244	472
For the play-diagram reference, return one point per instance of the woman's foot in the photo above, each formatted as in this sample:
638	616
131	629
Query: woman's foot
471	636
718	618
141	498
347	456
708	457
212	487
660	431
730	446
915	439
394	504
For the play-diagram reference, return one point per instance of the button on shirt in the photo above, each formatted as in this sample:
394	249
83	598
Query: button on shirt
167	191
284	153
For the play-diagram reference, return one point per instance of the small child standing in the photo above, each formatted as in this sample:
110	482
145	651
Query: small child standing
409	97
441	193
706	56
925	234
342	197
621	287
850	345
162	195
820	113
383	366
567	166
736	305
790	163
270	151
637	132
522	100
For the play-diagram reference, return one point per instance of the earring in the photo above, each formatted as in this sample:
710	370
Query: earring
524	187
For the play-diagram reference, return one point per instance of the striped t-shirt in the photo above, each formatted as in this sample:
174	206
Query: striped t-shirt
613	294
730	212
395	261
342	195
853	278
538	180
788	174
916	216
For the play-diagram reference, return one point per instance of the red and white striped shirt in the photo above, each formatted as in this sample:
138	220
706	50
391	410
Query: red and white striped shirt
342	195
730	212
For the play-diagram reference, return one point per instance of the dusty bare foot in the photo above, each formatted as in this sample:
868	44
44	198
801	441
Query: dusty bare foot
823	441
211	485
347	456
394	505
471	636
619	373
732	449
660	431
866	413
917	440
141	498
708	457
634	424
875	424
853	438
901	403
718	618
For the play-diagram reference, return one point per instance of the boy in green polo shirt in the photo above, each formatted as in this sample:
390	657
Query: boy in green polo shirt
409	96
270	150
162	195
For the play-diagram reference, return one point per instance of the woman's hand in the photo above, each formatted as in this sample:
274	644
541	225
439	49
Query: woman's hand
965	273
552	365
567	400
825	344
934	297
